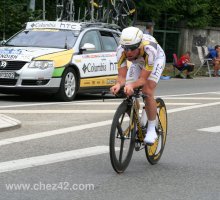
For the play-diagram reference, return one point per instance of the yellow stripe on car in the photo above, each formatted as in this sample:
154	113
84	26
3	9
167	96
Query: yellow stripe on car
100	81
60	58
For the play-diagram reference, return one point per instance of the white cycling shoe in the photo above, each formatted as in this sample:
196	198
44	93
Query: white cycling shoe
150	137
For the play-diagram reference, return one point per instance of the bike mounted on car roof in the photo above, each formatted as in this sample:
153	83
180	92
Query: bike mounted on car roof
120	12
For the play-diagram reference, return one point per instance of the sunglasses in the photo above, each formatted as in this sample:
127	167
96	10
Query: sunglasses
130	47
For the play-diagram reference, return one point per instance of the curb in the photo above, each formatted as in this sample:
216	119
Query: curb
8	123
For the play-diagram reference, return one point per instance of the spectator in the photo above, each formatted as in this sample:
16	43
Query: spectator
184	64
215	55
149	28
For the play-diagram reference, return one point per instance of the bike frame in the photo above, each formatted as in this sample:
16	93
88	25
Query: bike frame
136	117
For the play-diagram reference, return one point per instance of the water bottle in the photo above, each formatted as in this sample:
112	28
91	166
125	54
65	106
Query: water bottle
143	117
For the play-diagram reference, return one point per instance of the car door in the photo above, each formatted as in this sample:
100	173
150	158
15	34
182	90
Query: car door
109	46
93	63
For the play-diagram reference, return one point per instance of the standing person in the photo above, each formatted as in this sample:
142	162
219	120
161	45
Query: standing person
215	55
147	63
184	64
149	28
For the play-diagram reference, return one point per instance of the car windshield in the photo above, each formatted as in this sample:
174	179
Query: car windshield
43	38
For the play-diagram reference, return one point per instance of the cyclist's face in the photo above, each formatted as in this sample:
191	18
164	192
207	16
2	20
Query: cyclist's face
132	54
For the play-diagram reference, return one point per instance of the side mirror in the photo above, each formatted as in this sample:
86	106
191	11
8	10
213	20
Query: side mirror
87	47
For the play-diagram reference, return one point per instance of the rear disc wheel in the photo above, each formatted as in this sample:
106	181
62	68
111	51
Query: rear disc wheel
154	152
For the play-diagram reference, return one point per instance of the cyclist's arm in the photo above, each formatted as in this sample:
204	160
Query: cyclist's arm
122	66
121	76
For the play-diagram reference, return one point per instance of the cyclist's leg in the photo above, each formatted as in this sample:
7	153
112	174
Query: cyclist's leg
151	108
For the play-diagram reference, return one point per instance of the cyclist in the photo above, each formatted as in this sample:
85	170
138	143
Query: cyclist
147	61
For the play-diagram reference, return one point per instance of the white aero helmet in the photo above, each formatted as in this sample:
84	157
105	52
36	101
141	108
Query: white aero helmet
131	38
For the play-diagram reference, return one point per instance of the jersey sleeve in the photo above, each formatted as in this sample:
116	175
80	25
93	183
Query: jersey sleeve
121	58
150	51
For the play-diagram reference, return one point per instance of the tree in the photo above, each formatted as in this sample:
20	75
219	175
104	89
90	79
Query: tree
167	14
184	13
13	16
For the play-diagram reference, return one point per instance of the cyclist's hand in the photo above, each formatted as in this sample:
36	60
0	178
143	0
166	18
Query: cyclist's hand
128	90
114	89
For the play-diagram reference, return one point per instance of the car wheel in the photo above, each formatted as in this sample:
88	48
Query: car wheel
68	85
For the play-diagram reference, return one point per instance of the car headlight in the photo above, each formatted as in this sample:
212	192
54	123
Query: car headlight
41	64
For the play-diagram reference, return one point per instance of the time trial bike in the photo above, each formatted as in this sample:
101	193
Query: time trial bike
128	134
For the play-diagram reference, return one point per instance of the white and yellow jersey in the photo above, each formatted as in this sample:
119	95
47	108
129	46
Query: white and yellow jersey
151	58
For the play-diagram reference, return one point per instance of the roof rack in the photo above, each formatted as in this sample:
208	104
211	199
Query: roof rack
100	24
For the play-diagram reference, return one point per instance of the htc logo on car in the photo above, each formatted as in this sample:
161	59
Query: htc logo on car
3	64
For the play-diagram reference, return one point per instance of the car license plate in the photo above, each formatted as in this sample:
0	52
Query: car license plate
7	75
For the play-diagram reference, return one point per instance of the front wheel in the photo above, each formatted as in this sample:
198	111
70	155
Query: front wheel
154	152
68	86
122	138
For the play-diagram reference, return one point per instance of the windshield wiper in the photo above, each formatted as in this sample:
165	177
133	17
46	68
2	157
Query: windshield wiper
9	45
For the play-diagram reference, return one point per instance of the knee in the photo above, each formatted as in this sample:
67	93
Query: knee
149	88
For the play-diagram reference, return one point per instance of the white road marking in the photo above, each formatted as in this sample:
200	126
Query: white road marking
181	104
56	111
213	129
189	94
74	154
75	111
13	165
192	107
33	104
100	101
54	132
83	127
193	98
117	103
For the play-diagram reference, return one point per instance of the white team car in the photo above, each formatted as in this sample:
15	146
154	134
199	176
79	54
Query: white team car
64	58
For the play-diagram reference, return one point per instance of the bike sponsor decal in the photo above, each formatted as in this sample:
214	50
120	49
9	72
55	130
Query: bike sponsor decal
91	67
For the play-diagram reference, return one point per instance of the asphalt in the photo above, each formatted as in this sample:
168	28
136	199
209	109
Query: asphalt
8	123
